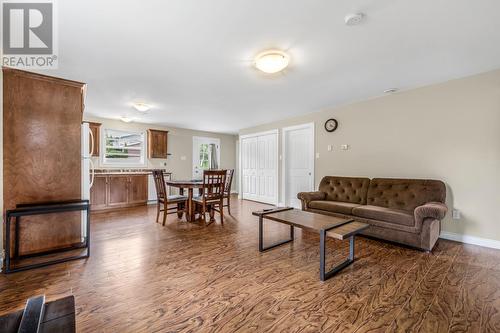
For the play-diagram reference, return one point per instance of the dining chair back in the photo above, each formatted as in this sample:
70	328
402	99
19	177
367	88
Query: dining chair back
214	182
161	187
227	189
212	195
163	199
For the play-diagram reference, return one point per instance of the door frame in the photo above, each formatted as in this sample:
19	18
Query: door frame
284	157
276	176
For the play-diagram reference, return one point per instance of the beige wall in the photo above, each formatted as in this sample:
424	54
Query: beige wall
449	131
180	143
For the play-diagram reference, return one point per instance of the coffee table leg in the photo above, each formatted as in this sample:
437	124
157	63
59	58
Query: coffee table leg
263	248
322	256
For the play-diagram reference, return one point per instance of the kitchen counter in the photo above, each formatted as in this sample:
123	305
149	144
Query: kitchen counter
99	172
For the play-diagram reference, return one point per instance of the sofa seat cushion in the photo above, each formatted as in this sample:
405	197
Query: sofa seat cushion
334	206
396	216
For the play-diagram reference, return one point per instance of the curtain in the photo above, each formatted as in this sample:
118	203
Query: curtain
213	157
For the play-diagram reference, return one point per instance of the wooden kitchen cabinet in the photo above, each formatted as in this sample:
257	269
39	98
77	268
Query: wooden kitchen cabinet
118	191
138	189
98	193
95	128
157	144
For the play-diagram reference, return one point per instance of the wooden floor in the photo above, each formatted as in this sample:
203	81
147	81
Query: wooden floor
184	277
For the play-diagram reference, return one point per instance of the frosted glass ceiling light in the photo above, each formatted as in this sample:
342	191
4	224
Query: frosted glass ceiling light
141	107
272	61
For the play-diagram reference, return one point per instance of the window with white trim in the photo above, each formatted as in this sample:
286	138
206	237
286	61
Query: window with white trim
124	147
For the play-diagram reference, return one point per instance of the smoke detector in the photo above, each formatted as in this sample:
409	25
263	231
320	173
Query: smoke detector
354	19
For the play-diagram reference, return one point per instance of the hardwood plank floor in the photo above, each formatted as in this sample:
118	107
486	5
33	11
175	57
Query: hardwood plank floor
185	277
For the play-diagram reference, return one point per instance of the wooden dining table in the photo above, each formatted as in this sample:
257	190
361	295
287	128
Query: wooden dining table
190	185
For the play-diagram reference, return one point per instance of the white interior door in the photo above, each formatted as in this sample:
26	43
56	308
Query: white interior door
249	168
298	165
259	165
267	167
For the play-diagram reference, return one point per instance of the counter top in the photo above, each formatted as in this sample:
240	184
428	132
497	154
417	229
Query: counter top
100	172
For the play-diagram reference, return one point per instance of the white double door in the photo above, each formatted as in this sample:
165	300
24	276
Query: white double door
259	167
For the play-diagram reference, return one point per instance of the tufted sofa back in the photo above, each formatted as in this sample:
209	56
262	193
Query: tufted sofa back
345	189
405	194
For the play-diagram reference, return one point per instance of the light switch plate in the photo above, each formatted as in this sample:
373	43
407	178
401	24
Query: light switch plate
183	158
329	147
455	214
317	155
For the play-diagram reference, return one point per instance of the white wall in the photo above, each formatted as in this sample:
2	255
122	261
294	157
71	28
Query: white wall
449	131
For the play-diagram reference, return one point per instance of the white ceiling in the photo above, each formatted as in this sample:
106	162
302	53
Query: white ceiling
192	59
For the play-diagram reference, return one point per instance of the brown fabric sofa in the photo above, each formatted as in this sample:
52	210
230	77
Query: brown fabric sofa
406	211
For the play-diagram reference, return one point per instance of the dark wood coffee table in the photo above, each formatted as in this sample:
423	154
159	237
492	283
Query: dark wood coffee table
335	227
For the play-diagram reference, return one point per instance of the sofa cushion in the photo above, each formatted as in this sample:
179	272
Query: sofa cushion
345	189
396	216
404	194
333	206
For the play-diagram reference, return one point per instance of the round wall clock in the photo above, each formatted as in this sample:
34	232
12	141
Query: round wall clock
331	125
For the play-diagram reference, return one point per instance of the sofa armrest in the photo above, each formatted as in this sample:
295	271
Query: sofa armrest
436	210
306	197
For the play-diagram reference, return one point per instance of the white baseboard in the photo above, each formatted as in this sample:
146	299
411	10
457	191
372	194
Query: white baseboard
281	204
494	244
234	192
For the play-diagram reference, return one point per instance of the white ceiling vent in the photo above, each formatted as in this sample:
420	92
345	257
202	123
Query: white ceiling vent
354	19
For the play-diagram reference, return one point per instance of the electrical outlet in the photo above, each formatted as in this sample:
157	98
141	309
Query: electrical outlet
183	158
455	214
317	155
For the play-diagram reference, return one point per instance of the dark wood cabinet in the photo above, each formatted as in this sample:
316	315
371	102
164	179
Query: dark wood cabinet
95	128
99	193
42	119
138	189
157	144
118	191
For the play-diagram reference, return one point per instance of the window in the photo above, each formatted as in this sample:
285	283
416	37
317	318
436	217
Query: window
123	148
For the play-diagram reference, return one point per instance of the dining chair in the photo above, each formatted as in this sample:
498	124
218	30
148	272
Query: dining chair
212	196
227	189
180	201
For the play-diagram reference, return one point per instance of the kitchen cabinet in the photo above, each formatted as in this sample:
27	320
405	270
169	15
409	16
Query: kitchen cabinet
118	191
157	144
95	128
138	189
98	194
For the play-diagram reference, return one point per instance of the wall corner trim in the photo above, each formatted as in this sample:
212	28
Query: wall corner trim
485	242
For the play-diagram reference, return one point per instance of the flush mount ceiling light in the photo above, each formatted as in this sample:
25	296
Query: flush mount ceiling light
126	119
272	61
354	19
141	107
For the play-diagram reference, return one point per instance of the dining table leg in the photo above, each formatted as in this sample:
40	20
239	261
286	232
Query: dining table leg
190	210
